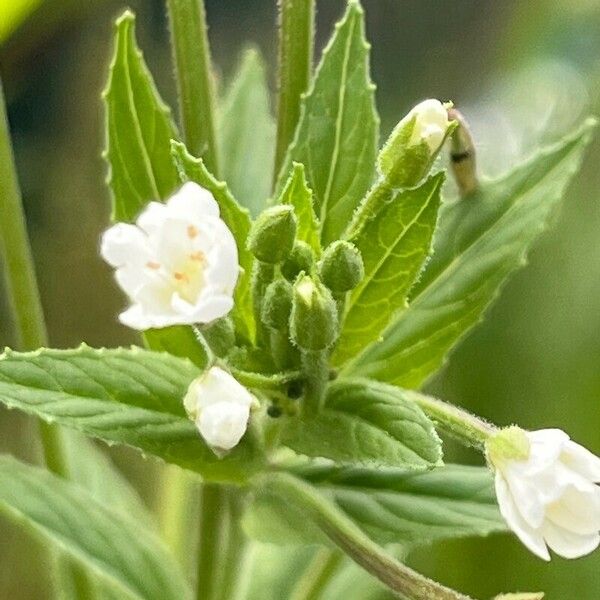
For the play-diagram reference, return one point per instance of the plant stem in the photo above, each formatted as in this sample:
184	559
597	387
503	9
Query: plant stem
318	574
179	505
296	32
356	544
236	551
25	302
315	367
457	422
21	280
262	275
213	512
191	54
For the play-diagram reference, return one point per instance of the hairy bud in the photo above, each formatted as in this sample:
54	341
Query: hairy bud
273	233
415	142
314	319
300	259
277	305
341	267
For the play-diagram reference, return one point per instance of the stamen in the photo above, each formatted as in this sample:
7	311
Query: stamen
192	232
153	265
197	256
180	276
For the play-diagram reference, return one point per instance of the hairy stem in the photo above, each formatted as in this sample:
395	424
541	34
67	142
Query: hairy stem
356	544
457	422
296	32
191	54
318	574
315	368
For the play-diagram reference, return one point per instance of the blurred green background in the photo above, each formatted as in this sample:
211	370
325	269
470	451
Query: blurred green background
522	72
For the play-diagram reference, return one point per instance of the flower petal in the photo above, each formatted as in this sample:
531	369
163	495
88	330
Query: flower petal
223	424
193	202
530	536
577	511
581	460
568	544
124	243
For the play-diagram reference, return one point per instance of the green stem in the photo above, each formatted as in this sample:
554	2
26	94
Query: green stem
236	552
457	422
262	275
25	300
282	349
178	513
356	544
315	368
318	574
296	32
191	54
213	514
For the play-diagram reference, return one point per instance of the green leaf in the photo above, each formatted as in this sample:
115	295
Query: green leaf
365	422
126	396
297	193
92	469
337	134
394	244
178	340
247	132
390	505
481	240
139	130
238	220
117	549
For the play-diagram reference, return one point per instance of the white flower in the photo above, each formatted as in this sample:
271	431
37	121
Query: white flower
220	407
178	264
545	485
431	124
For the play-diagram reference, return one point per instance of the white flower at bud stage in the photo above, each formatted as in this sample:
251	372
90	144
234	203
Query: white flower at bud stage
431	124
178	263
546	490
220	407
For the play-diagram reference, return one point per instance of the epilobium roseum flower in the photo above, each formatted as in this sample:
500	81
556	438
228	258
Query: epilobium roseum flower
178	263
220	407
545	485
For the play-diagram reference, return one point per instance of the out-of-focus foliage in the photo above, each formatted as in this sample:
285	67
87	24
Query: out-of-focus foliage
13	13
513	68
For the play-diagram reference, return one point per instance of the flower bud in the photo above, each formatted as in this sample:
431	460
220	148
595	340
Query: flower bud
314	319
220	407
342	267
277	305
413	145
273	233
300	259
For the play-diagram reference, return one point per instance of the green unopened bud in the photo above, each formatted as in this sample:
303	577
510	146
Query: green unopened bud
341	267
277	305
314	319
415	142
301	258
272	235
